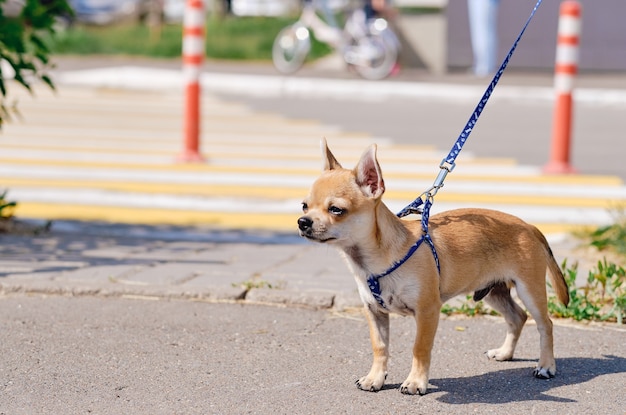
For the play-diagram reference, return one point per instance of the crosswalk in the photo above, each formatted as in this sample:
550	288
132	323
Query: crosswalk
110	155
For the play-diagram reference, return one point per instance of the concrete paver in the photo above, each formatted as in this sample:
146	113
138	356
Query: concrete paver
174	262
109	265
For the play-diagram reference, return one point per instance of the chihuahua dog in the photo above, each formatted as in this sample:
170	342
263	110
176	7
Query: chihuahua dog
482	251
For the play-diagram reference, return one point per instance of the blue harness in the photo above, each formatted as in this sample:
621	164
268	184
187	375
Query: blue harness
446	166
372	280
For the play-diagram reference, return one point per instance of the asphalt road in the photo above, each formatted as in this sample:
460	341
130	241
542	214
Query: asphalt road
128	355
516	129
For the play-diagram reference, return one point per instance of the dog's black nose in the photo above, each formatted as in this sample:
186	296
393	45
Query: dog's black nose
305	223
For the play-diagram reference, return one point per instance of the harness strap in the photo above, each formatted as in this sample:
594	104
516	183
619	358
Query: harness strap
446	166
372	280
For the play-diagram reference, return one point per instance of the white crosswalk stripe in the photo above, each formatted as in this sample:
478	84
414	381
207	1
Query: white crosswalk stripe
110	154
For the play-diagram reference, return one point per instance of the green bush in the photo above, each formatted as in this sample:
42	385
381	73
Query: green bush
23	47
603	298
581	305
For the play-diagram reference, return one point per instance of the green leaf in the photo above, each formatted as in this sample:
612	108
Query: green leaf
48	81
39	43
3	89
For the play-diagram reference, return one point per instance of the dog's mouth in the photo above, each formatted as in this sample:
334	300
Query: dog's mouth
314	238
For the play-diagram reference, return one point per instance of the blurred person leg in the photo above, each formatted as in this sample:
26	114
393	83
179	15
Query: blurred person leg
483	16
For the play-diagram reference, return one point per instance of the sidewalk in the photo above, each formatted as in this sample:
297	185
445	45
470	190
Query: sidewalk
331	79
109	260
192	263
331	68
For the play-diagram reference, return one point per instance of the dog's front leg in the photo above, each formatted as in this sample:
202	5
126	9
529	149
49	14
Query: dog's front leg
427	321
379	336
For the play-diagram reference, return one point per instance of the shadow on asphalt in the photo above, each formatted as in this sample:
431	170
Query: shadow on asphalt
179	233
72	244
52	254
504	384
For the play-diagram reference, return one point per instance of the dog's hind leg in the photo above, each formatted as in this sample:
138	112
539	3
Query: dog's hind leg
535	299
379	336
500	299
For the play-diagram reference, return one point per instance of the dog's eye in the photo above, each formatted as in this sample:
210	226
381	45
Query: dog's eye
336	211
305	207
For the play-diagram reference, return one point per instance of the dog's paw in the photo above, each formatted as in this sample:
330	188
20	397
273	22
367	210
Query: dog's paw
371	384
410	387
544	372
499	354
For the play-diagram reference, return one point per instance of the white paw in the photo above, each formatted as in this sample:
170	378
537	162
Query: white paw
413	387
499	355
544	372
371	384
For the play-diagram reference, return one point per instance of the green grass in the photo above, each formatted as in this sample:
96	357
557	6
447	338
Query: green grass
231	38
118	40
6	207
603	298
612	237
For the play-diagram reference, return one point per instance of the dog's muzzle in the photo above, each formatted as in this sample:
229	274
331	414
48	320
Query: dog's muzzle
305	224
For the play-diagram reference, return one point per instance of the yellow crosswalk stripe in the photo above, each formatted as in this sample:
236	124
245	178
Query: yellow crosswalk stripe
249	192
70	145
225	220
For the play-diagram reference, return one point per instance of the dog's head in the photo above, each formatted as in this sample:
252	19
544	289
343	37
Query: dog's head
341	205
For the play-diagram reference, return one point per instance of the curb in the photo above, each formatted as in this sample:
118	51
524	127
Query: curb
314	299
142	78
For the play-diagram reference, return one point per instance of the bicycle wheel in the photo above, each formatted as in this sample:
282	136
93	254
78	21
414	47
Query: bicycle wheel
290	48
376	56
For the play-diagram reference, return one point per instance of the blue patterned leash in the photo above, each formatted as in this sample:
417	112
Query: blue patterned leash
446	166
448	163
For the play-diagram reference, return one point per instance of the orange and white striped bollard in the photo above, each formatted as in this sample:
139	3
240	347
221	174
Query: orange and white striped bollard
193	56
565	71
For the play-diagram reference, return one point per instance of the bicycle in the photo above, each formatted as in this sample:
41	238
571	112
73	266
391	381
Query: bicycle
368	46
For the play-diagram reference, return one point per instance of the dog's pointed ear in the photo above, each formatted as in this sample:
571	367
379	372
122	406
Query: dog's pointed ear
329	161
368	174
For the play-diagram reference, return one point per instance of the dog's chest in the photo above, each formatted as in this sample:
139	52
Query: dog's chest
399	299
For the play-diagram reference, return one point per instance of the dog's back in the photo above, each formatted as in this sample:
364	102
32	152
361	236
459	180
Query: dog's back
490	246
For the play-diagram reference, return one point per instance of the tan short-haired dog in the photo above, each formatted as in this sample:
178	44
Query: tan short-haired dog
481	251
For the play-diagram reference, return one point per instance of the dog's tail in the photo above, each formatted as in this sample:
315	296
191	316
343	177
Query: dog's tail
554	270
